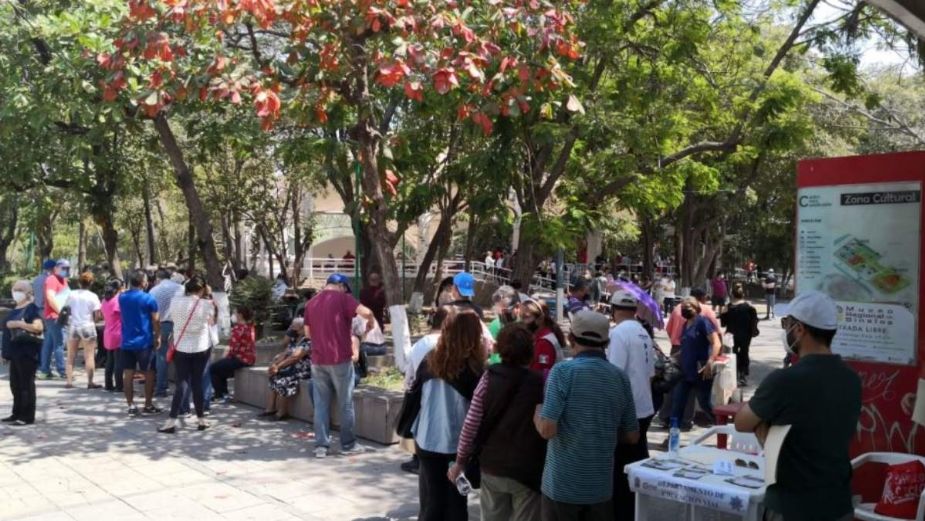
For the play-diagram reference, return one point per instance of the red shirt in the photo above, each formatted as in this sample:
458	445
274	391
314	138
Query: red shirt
544	352
242	345
329	317
55	284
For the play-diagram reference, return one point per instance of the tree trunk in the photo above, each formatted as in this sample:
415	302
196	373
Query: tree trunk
110	242
190	247
443	230
44	235
151	234
470	237
81	244
526	261
9	210
198	214
239	256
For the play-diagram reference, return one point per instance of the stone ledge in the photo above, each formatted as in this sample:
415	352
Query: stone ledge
376	409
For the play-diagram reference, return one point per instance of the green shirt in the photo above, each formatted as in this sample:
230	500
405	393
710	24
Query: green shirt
494	327
820	396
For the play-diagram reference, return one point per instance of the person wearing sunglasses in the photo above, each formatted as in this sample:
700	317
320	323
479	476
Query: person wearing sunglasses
820	398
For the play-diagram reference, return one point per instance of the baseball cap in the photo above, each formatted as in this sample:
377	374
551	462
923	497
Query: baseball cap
49	264
578	282
623	299
813	308
337	278
590	328
465	284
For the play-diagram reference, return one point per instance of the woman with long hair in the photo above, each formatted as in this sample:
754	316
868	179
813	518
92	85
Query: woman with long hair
112	335
445	382
20	343
194	316
499	427
548	339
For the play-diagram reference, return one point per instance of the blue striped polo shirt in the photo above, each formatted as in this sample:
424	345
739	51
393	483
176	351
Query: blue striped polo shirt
592	403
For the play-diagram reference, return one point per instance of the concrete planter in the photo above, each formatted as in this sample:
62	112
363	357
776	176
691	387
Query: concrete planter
376	409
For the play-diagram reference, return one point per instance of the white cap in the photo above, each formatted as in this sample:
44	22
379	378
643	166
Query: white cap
623	299
812	308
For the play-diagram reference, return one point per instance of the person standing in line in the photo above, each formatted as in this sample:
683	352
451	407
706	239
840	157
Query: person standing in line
373	297
164	292
328	323
770	292
419	352
499	427
54	294
242	352
505	303
820	398
741	320
38	295
21	343
632	351
112	335
194	315
548	339
700	345
577	296
140	338
667	286
444	384
588	409
719	293
81	329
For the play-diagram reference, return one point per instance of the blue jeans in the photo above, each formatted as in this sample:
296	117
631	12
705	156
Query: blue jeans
333	381
207	390
52	345
704	390
161	386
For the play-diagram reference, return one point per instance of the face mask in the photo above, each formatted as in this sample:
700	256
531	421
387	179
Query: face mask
19	297
292	334
234	319
688	314
533	327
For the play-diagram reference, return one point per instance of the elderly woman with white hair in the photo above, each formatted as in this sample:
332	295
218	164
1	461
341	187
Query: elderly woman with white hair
21	342
286	372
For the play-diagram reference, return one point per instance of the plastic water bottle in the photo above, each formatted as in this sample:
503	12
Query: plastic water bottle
674	438
463	486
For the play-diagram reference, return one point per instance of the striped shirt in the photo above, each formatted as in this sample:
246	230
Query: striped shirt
473	420
591	402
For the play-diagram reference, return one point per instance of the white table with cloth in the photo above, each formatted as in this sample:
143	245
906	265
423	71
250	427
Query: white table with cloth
686	487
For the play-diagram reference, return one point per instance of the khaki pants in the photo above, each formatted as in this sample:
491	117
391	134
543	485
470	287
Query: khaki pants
505	499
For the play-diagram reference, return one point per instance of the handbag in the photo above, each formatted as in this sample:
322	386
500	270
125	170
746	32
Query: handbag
667	372
172	348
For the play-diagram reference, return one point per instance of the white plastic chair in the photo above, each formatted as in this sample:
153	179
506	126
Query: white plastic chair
865	511
744	442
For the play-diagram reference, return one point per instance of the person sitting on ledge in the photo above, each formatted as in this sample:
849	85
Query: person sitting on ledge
286	372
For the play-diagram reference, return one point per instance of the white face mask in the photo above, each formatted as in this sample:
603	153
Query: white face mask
19	296
784	340
234	319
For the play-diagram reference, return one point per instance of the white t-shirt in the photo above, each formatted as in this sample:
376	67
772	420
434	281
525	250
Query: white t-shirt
667	288
374	336
196	337
631	350
489	261
82	303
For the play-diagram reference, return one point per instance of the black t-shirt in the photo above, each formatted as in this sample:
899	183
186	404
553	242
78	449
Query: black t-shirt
820	397
25	345
470	305
740	320
770	284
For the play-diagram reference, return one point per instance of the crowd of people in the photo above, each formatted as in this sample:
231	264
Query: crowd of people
135	331
543	422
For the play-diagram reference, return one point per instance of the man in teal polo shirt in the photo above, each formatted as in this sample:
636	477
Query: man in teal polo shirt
588	408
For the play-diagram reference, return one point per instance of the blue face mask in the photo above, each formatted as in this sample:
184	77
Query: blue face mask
65	273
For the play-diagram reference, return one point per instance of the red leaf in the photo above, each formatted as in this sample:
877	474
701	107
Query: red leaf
445	80
414	90
483	121
140	10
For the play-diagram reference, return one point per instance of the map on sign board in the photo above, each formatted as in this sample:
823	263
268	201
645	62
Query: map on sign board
860	245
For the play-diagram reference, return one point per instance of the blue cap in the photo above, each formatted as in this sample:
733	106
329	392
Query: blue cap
465	284
337	278
49	264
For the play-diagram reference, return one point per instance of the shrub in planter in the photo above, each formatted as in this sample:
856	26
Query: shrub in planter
255	293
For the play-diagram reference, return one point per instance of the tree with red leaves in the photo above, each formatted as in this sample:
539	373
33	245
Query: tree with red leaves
302	61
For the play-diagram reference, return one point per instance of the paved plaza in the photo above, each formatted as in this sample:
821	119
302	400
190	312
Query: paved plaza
86	460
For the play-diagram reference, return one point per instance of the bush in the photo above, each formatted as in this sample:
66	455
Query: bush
255	293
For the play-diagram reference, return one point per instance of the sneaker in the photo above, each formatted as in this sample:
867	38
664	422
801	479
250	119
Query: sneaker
412	466
321	452
9	419
354	450
133	411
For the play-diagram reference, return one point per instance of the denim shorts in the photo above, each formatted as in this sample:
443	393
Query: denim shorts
81	332
137	359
